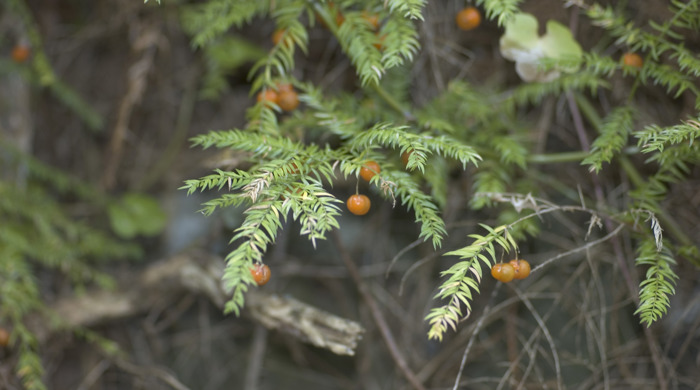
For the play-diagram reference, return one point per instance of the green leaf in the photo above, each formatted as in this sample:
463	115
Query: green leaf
136	214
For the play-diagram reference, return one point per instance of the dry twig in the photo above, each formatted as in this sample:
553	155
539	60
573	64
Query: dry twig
377	315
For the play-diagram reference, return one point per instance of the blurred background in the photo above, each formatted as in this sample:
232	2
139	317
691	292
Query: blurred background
129	90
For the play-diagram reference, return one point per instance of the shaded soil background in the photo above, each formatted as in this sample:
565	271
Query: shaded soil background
569	326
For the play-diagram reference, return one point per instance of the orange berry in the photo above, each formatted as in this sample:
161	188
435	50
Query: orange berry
20	53
521	267
358	204
503	272
288	100
370	169
261	273
468	18
268	95
633	60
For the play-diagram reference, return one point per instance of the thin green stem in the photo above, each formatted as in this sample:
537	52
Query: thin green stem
393	103
563	157
668	223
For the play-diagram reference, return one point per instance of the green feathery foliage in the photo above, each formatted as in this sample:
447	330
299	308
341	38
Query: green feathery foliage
614	133
288	177
657	42
373	53
673	144
671	149
295	159
533	93
37	232
501	10
40	73
658	283
225	55
208	21
407	8
465	277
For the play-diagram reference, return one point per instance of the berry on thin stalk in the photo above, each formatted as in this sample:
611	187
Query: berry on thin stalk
358	204
521	267
503	272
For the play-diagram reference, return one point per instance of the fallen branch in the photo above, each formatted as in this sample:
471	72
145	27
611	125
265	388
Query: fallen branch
200	273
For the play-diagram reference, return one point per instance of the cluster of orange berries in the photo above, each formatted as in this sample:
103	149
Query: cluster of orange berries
359	204
285	97
515	269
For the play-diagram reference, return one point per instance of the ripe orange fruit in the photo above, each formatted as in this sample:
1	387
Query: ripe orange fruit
370	169
288	100
268	95
468	19
358	204
521	267
633	60
503	272
20	53
261	273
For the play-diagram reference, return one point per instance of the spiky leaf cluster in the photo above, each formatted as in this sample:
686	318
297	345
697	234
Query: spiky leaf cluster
37	232
614	133
659	282
462	125
287	178
672	144
465	277
658	41
407	8
501	10
40	72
